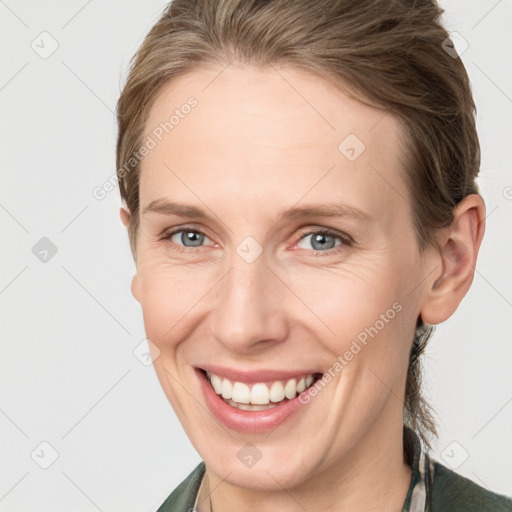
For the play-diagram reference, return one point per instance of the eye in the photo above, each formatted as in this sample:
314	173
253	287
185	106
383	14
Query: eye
186	238
324	240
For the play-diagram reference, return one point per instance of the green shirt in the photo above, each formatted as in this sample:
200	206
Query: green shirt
433	488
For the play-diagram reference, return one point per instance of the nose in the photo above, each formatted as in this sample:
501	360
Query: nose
249	313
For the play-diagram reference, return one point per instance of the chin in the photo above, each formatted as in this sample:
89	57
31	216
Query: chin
273	470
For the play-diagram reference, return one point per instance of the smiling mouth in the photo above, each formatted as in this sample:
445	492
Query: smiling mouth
259	396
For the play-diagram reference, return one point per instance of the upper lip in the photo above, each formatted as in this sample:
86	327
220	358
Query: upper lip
255	376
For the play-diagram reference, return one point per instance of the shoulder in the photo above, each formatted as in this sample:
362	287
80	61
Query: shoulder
183	497
455	493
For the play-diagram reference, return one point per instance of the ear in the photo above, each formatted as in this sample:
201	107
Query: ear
457	255
124	213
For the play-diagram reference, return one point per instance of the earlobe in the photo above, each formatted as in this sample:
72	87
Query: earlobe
459	246
135	287
125	215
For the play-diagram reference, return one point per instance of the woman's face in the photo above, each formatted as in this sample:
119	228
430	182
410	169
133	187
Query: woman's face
276	242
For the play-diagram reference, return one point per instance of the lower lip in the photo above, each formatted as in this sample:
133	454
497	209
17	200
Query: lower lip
247	421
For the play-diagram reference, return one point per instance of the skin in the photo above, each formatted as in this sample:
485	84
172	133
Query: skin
259	142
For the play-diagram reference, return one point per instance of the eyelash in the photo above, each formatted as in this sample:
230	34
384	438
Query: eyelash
346	240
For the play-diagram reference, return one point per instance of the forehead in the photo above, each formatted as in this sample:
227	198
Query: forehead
274	133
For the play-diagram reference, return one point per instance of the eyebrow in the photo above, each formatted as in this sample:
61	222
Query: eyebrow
165	207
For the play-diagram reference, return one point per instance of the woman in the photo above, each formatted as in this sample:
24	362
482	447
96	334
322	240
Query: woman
299	180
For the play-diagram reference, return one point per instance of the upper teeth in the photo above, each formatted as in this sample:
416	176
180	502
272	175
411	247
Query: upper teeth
259	393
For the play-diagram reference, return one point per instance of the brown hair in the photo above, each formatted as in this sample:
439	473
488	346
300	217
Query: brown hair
391	54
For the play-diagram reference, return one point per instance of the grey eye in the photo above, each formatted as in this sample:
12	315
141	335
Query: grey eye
188	238
320	241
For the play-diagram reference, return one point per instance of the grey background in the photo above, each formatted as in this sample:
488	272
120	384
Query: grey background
69	376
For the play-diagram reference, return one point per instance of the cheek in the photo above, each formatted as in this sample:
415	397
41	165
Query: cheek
348	301
170	299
